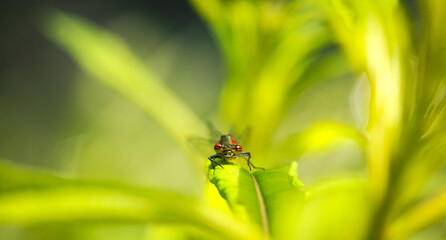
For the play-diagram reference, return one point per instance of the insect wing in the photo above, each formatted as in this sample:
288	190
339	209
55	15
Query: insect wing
242	138
214	133
202	145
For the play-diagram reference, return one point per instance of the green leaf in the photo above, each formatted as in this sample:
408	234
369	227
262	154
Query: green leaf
32	197
236	185
429	158
272	198
106	58
264	54
13	177
320	136
419	217
333	204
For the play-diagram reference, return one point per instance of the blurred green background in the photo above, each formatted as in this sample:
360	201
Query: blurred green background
353	90
55	117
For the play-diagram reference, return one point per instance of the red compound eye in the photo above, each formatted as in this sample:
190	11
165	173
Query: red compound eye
217	147
238	148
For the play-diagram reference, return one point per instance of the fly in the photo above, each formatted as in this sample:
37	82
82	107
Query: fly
227	149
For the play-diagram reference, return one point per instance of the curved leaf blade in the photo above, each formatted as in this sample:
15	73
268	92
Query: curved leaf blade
270	198
283	198
236	186
49	200
418	217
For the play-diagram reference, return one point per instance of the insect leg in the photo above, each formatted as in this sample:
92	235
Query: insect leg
213	161
257	167
248	154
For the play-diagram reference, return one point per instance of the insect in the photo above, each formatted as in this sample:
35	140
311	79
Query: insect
227	148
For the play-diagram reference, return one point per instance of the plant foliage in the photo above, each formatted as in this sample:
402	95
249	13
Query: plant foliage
274	51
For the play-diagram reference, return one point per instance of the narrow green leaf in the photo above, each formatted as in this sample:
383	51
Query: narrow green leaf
424	164
209	9
319	136
13	177
106	58
49	200
270	198
419	217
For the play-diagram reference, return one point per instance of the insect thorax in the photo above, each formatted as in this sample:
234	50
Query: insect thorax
227	140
